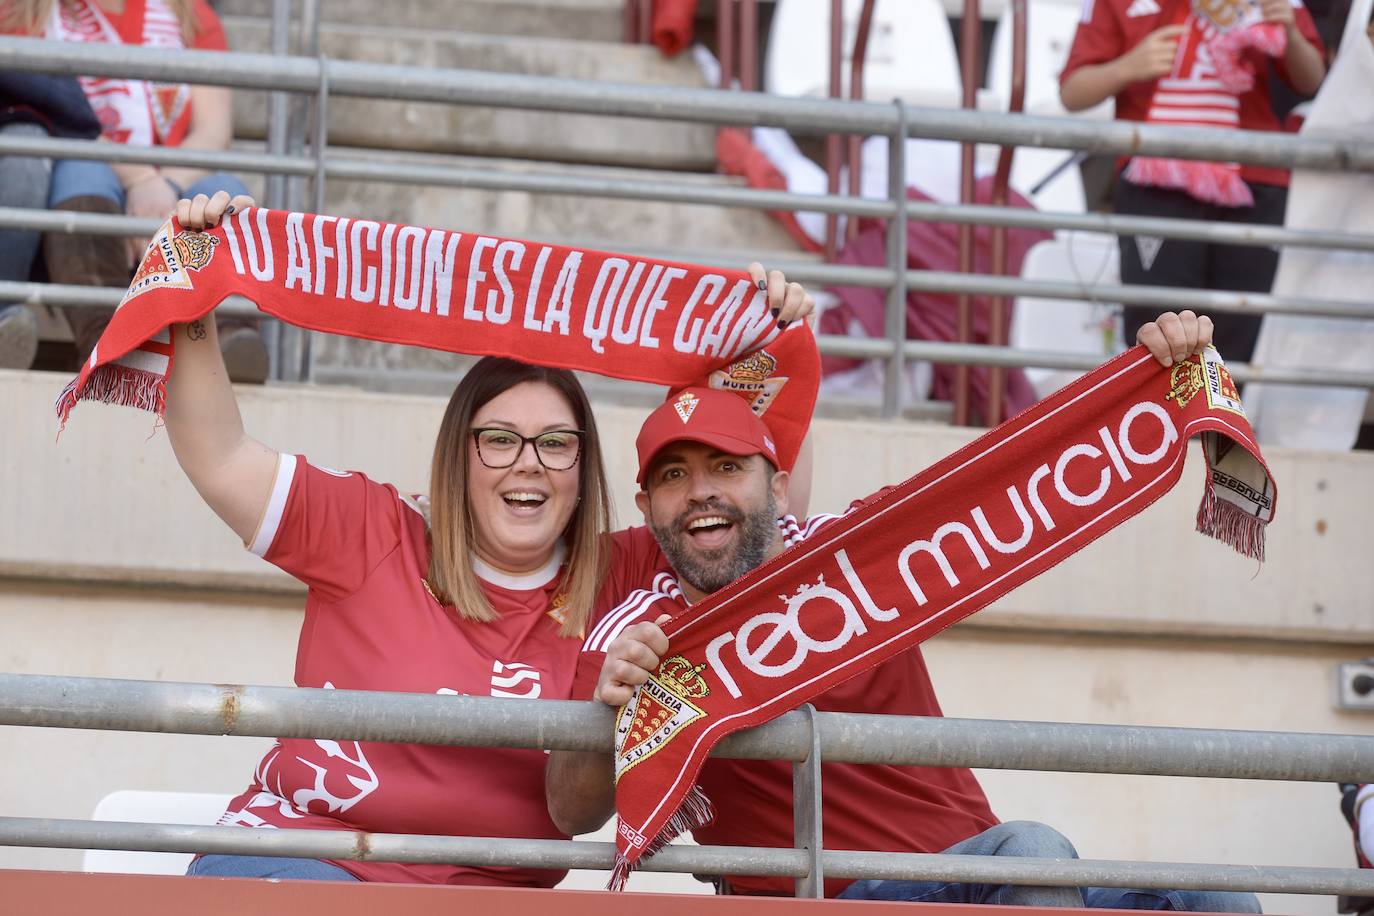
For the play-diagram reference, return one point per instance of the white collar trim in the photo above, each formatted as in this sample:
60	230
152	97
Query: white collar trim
522	581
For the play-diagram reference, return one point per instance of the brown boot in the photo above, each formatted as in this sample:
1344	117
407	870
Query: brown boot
87	260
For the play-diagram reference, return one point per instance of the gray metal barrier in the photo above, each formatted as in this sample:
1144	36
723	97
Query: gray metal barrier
805	737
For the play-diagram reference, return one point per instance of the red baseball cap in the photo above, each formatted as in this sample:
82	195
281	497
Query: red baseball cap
707	415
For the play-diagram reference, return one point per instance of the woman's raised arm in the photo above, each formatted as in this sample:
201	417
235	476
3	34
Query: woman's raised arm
232	472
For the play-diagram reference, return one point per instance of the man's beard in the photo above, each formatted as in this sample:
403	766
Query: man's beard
709	570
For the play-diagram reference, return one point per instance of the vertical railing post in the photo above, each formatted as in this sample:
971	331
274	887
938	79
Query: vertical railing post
997	311
894	376
854	156
295	342
970	42
274	186
833	146
806	810
748	45
726	42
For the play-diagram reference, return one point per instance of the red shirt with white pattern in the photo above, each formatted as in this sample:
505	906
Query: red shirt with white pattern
372	624
139	112
884	808
1110	28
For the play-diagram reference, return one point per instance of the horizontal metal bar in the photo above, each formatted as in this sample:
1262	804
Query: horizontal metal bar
611	188
65	296
629	189
509	90
705	860
1114	224
226	709
1158	297
214	160
392	172
1162	297
38	294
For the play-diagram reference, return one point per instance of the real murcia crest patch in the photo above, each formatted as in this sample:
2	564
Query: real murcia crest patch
659	709
1222	393
169	260
686	405
752	377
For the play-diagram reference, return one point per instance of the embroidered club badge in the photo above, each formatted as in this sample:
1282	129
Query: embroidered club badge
685	405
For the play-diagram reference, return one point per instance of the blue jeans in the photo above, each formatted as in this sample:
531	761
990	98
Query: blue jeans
267	867
81	178
23	183
1033	840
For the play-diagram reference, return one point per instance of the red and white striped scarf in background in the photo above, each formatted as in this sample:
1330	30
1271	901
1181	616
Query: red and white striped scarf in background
922	556
1209	75
137	112
627	317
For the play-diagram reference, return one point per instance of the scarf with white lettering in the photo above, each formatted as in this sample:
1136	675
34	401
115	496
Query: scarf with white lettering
1209	75
633	318
923	555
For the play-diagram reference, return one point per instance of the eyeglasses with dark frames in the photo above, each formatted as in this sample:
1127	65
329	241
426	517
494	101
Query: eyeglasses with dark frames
557	449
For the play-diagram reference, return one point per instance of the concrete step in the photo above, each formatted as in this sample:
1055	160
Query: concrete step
580	20
490	132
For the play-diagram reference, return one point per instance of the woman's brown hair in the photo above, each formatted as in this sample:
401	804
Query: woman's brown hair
451	576
31	16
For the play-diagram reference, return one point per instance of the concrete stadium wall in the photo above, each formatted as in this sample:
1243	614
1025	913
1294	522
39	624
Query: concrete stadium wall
111	566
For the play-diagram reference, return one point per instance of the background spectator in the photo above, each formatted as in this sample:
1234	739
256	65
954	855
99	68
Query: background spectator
142	113
37	105
1205	63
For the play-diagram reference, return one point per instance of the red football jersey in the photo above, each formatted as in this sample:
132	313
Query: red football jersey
884	808
372	624
1110	28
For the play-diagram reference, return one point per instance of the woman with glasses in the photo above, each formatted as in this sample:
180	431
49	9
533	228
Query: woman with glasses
484	589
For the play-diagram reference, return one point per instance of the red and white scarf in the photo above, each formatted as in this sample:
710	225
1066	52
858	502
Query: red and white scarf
1209	75
922	556
628	317
136	112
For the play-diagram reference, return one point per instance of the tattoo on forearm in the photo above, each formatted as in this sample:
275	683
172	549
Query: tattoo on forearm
196	330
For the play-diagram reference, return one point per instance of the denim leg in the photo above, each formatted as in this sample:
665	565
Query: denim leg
1014	838
267	867
24	184
1139	898
216	181
78	178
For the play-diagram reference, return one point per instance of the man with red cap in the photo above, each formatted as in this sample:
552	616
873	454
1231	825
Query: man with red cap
716	502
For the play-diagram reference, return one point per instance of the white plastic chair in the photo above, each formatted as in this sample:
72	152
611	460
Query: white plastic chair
1068	325
197	808
910	55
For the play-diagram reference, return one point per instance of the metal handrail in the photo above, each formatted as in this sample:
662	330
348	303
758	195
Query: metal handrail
805	116
393	172
702	860
357	715
68	702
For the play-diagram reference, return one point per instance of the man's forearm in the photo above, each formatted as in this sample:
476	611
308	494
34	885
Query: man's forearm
579	787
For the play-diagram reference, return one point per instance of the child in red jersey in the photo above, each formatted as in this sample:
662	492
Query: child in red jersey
1200	63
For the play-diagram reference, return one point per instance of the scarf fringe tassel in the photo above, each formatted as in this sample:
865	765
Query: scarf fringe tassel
1212	182
695	811
1224	520
114	383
